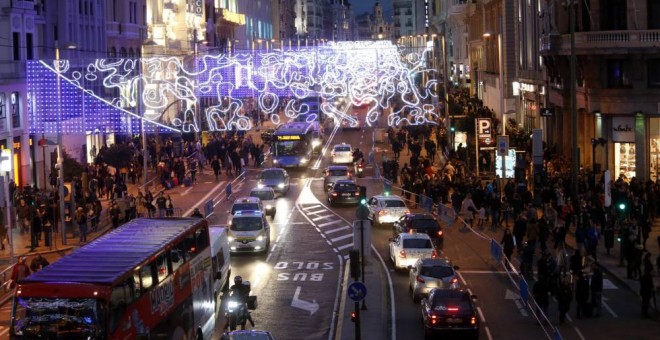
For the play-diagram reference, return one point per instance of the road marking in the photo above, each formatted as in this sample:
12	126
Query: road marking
607	284
204	199
322	217
521	308
462	279
186	192
610	310
579	333
346	257
312	207
327	241
345	246
316	212
322	225
338	229
481	314
488	333
310	307
341	238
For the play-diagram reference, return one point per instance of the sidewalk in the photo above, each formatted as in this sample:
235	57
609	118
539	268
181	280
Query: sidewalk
375	322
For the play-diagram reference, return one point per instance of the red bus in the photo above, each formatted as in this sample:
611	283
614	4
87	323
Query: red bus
149	279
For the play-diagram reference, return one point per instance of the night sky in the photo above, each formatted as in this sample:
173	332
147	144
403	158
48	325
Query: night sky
361	6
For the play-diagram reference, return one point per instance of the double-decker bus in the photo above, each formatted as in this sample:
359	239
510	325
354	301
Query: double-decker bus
294	143
149	279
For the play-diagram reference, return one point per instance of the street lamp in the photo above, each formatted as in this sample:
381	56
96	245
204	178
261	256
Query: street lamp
145	152
60	155
501	81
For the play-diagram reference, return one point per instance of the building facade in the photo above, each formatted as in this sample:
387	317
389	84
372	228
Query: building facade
258	31
411	17
381	29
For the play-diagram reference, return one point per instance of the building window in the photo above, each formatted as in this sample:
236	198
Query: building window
653	10
16	38
653	73
613	15
28	46
618	73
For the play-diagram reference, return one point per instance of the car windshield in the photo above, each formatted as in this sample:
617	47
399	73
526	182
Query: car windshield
263	195
345	187
272	175
444	299
252	223
338	172
424	224
437	272
244	207
394	204
417	243
50	318
342	148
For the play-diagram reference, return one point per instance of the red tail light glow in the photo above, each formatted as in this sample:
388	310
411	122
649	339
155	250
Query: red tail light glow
334	194
357	194
452	309
439	233
434	319
420	279
435	254
473	321
454	280
402	254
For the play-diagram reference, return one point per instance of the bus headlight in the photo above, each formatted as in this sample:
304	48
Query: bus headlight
274	161
316	143
269	207
260	185
281	185
303	160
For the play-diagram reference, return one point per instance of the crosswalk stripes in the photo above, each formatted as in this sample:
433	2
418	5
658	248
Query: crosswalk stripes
336	232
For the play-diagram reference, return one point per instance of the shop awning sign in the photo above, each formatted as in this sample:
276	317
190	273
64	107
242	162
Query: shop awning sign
623	129
485	132
5	160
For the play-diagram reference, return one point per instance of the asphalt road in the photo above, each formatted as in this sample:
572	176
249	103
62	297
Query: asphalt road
297	281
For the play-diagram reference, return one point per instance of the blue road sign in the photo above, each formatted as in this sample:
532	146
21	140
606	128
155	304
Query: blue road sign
357	291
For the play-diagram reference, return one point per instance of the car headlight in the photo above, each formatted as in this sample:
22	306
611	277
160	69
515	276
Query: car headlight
260	185
274	161
303	160
268	207
260	238
230	238
281	185
316	143
232	304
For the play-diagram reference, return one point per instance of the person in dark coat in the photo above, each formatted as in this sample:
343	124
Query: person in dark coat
35	229
541	293
215	164
507	245
564	298
646	290
597	290
582	296
519	230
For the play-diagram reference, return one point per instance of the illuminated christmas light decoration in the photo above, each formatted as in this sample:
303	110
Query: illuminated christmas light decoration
104	94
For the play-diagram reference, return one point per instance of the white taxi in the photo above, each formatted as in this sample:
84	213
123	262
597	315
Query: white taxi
342	154
406	249
386	209
249	232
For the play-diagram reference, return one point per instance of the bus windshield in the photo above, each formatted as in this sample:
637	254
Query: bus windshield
290	148
52	318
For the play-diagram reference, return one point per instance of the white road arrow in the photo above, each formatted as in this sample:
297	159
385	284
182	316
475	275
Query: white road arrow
310	307
510	295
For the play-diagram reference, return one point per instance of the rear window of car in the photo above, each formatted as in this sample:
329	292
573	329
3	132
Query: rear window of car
263	195
342	148
424	224
437	272
394	204
338	172
244	207
442	300
419	243
345	186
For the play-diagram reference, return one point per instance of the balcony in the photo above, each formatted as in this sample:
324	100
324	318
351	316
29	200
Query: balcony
124	30
601	42
457	8
112	28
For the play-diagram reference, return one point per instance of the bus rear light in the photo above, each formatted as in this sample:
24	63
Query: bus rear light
357	194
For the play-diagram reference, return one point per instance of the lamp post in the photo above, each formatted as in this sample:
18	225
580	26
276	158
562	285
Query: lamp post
145	152
445	72
60	155
574	120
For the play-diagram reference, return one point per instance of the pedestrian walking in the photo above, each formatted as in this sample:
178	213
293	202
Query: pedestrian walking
169	206
81	220
646	290
35	229
564	298
597	290
541	293
228	190
508	244
3	229
519	230
19	272
582	297
114	214
215	165
38	263
23	213
197	213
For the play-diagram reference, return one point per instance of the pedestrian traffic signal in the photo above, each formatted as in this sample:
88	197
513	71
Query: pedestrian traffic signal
452	128
354	316
363	201
622	207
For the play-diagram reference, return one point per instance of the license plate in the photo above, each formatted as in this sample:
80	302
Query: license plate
454	320
346	194
244	246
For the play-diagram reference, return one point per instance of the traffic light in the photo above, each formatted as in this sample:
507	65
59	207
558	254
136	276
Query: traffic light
622	207
387	189
363	201
452	128
354	316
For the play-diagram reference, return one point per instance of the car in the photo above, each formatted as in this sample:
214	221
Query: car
342	154
249	231
406	249
450	311
267	197
245	204
352	122
334	173
386	209
421	223
247	335
267	135
427	274
344	192
275	178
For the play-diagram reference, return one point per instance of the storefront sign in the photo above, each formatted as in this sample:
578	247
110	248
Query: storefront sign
623	129
485	132
5	160
230	16
547	111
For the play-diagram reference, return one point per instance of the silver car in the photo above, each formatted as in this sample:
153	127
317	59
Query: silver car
427	274
342	154
267	197
334	173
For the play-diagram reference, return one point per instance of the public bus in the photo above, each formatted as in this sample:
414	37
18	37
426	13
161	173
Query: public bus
314	112
294	144
149	279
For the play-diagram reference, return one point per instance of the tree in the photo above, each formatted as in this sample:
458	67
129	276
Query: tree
72	168
117	155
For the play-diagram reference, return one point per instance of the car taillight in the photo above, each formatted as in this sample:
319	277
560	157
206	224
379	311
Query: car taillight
434	319
406	212
360	165
439	233
435	254
473	320
454	281
402	254
420	279
357	194
334	194
382	212
452	309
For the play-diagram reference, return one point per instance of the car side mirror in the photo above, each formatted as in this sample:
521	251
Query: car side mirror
456	267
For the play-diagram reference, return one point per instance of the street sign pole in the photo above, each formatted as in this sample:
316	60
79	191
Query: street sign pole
364	304
358	334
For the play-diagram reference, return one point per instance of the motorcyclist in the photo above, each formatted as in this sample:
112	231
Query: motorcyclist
241	292
358	156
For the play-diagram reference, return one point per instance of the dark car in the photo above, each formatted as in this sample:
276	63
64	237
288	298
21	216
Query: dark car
275	178
267	136
247	335
421	223
451	312
344	192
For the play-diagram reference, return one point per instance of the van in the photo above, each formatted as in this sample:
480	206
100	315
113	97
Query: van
220	262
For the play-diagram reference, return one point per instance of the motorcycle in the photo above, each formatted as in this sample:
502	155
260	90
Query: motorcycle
359	169
237	312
